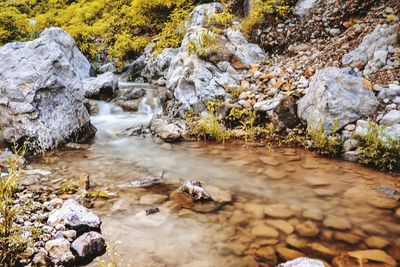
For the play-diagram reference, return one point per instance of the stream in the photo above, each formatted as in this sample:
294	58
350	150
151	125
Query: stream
281	198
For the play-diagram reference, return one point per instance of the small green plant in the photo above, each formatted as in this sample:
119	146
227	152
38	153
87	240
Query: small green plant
111	259
323	143
235	91
98	194
262	8
378	150
204	45
69	186
208	128
11	241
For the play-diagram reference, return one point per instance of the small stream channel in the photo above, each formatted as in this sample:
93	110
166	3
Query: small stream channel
280	195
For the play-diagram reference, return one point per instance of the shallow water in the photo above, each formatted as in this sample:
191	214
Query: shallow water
342	200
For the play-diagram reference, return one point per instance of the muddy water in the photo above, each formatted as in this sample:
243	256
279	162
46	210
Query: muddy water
285	202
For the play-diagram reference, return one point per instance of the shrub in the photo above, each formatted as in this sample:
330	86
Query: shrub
323	143
378	150
204	45
12	243
262	8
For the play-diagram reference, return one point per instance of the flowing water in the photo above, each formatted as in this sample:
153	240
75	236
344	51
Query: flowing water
281	198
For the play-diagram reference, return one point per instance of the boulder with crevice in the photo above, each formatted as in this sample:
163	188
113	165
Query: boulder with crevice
41	91
89	246
336	97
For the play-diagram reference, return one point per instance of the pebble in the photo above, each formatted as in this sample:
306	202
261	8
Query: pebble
347	237
313	215
275	174
267	255
376	242
281	211
288	254
281	225
319	251
337	223
295	241
264	231
307	229
256	210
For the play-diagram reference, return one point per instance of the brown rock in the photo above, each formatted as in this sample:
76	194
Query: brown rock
278	211
288	254
307	229
347	237
271	161
337	223
313	215
318	250
296	242
249	261
397	213
275	174
376	242
281	225
264	231
373	255
256	210
267	255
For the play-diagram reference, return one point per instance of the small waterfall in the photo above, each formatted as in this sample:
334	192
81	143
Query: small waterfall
150	103
104	108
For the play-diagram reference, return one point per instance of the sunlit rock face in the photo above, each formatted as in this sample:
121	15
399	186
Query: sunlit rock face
195	77
41	97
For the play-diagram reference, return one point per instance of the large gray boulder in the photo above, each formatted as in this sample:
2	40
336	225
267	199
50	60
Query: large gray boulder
336	96
169	130
41	91
101	87
372	53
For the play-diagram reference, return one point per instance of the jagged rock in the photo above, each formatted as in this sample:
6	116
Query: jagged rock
41	91
302	262
391	118
194	79
284	114
372	53
59	252
169	130
101	87
74	216
336	96
89	245
157	67
200	15
41	258
91	106
134	93
195	190
109	67
133	70
389	93
392	132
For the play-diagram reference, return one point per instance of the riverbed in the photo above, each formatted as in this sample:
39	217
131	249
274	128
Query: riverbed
286	202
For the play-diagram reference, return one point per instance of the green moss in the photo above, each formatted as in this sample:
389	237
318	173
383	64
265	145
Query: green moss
204	46
376	149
